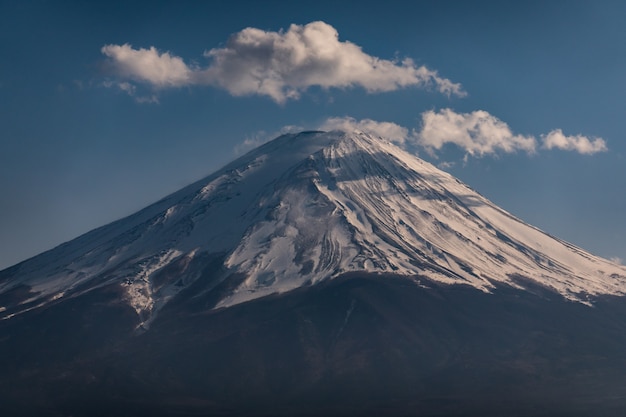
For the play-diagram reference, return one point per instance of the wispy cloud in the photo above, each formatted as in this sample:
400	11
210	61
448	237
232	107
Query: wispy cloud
387	130
131	90
280	65
480	133
259	138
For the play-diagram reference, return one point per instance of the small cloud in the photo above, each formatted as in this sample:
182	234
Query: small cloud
131	90
280	65
446	165
478	132
159	69
387	130
581	144
252	142
616	260
127	87
151	99
259	138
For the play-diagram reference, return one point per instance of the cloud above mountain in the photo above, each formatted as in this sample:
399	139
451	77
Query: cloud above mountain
578	143
280	65
478	133
387	130
147	65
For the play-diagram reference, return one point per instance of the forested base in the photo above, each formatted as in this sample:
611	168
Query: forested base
359	345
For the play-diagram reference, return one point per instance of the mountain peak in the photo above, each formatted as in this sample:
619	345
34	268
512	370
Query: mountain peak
302	209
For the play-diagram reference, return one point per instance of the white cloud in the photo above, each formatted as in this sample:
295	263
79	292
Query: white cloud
280	65
478	132
283	64
616	260
387	130
578	143
259	138
147	65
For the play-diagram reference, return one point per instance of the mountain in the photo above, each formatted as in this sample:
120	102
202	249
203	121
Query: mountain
323	272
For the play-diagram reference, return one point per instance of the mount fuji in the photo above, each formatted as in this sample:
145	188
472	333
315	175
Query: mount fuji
321	273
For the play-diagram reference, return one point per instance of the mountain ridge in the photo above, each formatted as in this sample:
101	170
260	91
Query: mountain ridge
301	209
321	274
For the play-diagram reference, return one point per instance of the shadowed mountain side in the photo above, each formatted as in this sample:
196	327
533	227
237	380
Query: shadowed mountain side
357	345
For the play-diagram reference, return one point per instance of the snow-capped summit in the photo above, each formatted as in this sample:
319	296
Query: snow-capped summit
322	273
302	209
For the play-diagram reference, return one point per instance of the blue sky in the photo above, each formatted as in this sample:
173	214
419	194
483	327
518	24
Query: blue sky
106	108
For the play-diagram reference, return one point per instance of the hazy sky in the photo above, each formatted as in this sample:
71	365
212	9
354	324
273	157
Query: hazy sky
106	108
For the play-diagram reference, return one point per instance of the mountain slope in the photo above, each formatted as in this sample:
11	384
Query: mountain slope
302	209
320	274
354	345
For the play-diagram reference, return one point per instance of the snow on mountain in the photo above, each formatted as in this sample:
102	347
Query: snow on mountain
302	209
